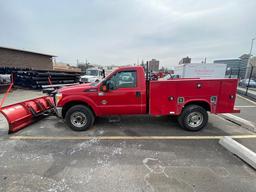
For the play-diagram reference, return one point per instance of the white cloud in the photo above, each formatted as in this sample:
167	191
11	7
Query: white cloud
120	32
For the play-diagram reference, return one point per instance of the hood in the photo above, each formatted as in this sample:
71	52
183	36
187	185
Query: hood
75	88
88	76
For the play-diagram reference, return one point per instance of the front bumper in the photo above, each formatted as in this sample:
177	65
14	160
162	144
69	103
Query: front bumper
59	111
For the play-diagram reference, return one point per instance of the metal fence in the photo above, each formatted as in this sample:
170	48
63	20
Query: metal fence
247	80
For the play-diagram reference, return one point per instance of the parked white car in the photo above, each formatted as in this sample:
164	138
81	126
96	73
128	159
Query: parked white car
92	75
244	83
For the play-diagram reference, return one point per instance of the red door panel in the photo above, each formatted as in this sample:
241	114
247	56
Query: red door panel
120	101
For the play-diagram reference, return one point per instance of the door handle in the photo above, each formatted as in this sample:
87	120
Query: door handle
138	94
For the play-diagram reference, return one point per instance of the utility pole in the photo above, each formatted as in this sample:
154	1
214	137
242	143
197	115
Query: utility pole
248	62
247	87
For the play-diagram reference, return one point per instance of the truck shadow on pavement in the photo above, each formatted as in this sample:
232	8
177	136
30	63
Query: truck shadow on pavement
127	126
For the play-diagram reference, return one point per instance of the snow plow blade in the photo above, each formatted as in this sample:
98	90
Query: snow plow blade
20	115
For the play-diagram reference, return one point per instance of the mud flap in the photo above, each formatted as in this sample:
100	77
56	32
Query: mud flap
20	115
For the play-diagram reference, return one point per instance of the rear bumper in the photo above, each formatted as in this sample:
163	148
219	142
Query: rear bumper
235	110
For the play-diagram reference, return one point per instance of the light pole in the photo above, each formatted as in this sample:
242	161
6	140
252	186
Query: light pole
247	68
248	62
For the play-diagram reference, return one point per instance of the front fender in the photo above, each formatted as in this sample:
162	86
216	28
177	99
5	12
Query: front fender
79	98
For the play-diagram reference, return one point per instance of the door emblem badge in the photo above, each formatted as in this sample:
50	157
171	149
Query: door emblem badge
104	102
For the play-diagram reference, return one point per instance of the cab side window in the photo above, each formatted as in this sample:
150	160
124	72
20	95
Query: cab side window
124	79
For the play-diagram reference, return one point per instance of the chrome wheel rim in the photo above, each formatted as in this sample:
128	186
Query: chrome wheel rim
195	119
78	119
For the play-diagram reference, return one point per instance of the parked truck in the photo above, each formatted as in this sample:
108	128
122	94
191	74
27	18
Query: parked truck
126	91
92	75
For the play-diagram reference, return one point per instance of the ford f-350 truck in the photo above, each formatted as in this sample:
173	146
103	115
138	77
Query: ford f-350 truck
126	91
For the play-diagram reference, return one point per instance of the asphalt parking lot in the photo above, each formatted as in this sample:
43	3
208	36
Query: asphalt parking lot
133	153
248	108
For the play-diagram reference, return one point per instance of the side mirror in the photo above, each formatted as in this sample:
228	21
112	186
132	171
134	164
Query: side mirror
104	88
110	85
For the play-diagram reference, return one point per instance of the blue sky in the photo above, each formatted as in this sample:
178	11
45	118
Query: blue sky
118	32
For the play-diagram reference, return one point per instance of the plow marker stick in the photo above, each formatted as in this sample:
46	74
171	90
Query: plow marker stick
49	80
6	93
22	114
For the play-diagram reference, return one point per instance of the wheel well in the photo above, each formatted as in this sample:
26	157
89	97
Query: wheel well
202	104
68	105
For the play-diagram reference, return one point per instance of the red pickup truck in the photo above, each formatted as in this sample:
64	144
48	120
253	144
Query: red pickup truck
127	92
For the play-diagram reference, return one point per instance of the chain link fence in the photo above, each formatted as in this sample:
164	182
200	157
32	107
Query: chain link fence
247	80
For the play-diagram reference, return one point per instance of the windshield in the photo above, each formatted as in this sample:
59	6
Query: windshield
94	84
168	76
107	77
92	72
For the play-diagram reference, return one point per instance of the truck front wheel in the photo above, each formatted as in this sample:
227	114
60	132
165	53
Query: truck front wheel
193	118
79	118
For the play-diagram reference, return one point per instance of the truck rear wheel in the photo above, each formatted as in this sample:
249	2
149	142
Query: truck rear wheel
193	118
79	118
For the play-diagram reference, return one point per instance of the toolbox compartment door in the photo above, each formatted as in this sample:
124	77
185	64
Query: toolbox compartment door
227	96
162	98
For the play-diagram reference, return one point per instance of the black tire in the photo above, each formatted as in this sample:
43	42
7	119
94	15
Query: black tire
82	112
185	117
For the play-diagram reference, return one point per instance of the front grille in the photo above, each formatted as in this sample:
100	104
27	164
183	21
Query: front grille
83	79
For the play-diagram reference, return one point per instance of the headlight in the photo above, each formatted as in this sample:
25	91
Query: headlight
58	97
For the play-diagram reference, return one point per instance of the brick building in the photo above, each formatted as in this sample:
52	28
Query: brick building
153	65
10	57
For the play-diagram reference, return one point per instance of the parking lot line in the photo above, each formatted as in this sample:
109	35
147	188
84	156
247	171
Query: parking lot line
246	106
210	137
246	99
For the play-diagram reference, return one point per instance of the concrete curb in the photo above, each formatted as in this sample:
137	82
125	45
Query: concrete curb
241	151
249	95
239	121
